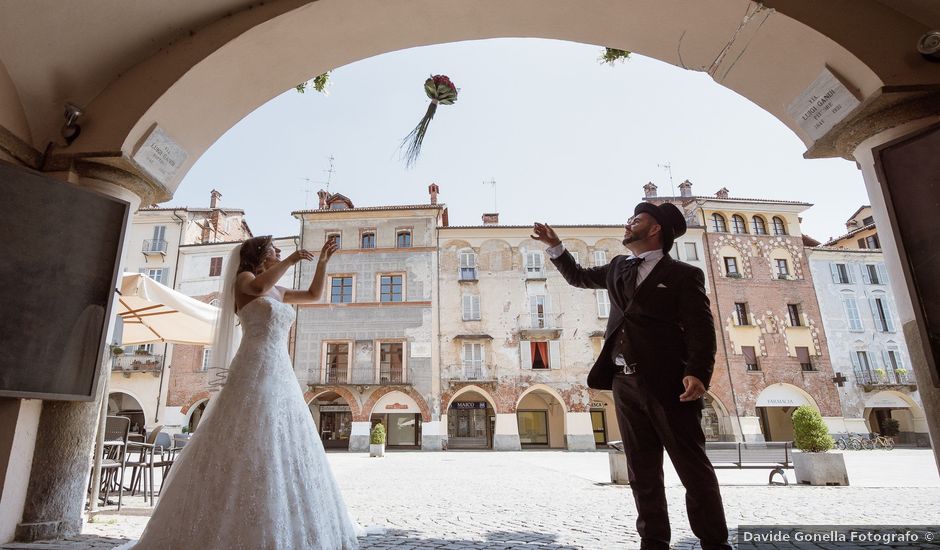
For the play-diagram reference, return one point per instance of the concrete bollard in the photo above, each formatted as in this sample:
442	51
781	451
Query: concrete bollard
619	472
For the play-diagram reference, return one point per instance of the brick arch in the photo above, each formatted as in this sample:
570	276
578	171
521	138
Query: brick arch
342	392
566	406
366	411
448	397
201	396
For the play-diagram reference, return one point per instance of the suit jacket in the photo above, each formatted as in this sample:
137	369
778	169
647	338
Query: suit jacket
668	322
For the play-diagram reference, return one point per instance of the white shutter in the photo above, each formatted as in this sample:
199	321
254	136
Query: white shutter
466	306
849	269
888	307
882	274
886	359
603	303
834	269
874	314
576	256
898	359
475	307
525	354
866	278
600	257
854	356
554	354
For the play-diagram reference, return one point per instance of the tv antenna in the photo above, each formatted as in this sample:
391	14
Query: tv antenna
667	166
308	188
493	183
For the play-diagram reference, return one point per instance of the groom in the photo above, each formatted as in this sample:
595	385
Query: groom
658	355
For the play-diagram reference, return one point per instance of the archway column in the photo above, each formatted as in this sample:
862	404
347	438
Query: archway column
55	495
899	253
506	435
579	431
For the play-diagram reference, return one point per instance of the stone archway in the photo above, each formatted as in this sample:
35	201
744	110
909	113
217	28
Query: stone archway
541	414
469	416
775	404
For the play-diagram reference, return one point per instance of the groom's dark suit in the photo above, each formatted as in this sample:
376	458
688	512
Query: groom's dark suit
664	329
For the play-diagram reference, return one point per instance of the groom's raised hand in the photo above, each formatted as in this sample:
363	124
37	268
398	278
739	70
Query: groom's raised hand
545	234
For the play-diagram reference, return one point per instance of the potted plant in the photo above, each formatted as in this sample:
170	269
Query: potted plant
814	464
141	351
117	351
880	373
377	440
890	427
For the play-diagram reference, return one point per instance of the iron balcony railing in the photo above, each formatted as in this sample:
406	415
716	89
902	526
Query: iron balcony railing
135	362
884	377
388	375
538	321
154	246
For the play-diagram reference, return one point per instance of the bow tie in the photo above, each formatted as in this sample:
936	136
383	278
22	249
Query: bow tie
633	262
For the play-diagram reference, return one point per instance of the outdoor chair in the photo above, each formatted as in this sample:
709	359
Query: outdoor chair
142	466
116	430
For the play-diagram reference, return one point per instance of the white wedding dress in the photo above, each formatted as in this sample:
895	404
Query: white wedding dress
254	474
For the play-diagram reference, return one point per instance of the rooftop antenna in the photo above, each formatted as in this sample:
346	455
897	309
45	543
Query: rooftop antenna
308	188
329	174
667	166
493	183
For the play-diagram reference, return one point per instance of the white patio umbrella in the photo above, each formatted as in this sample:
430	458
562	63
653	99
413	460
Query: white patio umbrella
152	312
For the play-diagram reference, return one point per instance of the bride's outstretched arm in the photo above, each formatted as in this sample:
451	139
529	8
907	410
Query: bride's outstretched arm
313	293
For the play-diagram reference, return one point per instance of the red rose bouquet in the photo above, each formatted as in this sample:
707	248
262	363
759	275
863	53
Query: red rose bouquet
440	90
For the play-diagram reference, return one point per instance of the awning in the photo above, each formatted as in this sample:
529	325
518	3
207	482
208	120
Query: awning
782	395
152	312
886	400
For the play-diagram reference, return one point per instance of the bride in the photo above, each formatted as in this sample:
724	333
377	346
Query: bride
254	475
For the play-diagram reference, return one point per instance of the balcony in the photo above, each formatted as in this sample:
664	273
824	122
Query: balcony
130	363
363	378
467	274
539	326
153	247
388	375
535	273
877	379
471	372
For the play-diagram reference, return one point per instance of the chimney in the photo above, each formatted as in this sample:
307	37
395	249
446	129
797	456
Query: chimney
722	193
649	190
433	189
685	188
214	197
491	219
323	196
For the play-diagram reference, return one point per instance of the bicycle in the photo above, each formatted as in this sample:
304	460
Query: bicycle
885	442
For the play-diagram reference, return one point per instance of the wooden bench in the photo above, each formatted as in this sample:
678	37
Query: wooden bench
777	456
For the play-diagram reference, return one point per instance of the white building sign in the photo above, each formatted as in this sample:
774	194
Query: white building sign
420	349
160	156
825	103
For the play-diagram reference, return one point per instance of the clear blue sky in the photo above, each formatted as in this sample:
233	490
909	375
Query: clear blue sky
567	140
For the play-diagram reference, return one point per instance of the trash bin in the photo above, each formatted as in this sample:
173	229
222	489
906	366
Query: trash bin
619	473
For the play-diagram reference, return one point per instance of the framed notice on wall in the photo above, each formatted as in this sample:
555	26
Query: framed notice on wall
61	249
909	171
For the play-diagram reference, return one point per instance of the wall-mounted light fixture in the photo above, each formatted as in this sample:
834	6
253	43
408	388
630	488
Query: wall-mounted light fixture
929	45
71	129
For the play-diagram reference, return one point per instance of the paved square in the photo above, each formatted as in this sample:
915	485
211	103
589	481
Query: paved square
561	500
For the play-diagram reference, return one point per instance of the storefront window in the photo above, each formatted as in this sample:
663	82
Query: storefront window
467	424
600	426
533	427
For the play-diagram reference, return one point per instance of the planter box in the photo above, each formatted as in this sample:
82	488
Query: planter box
820	469
377	450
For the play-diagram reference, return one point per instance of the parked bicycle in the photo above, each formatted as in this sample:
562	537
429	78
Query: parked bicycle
882	441
854	442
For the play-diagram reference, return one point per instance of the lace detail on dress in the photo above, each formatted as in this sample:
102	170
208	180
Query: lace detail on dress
254	474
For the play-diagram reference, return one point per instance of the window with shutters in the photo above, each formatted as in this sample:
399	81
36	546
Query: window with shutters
215	266
793	310
851	313
881	314
840	273
473	361
750	358
603	304
691	251
802	354
540	355
534	265
874	274
600	257
471	307
158	274
539	312
740	314
872	241
468	265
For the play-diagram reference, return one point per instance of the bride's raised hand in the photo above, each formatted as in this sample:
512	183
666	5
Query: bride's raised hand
329	247
300	254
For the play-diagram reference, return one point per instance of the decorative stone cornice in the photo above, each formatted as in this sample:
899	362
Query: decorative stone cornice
888	108
18	149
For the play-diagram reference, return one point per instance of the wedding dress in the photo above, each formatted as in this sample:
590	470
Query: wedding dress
254	474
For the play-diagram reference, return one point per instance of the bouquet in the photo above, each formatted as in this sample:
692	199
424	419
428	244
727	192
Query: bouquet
440	90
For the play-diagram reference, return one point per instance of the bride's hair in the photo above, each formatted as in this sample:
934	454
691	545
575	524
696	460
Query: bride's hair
252	252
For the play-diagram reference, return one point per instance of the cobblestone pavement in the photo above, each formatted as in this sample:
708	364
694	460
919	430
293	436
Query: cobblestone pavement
559	500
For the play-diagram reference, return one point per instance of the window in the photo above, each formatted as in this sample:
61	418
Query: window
538	312
802	354
851	313
881	314
337	361
368	240
576	256
783	269
862	243
144	349
731	267
403	239
335	237
868	220
874	274
691	251
600	257
840	274
158	242
861	360
750	358
534	264
215	266
872	241
341	290
738	225
603	303
793	310
206	359
718	223
540	355
740	314
759	225
390	288
471	307
779	227
158	274
391	358
468	266
893	359
473	361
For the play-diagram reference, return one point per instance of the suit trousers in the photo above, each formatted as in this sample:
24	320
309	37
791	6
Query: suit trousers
647	428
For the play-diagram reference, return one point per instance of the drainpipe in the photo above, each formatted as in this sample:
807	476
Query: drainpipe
299	242
721	326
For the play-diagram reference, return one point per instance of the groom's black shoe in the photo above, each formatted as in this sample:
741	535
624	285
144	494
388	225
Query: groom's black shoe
653	545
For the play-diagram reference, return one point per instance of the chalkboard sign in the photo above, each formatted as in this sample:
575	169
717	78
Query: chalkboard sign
60	249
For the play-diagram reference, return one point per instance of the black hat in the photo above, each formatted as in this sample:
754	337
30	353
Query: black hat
668	216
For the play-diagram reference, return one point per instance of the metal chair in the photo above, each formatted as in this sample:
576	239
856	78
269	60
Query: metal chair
146	454
116	430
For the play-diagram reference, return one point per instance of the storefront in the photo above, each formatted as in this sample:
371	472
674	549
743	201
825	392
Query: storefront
775	406
335	426
402	419
469	425
533	428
